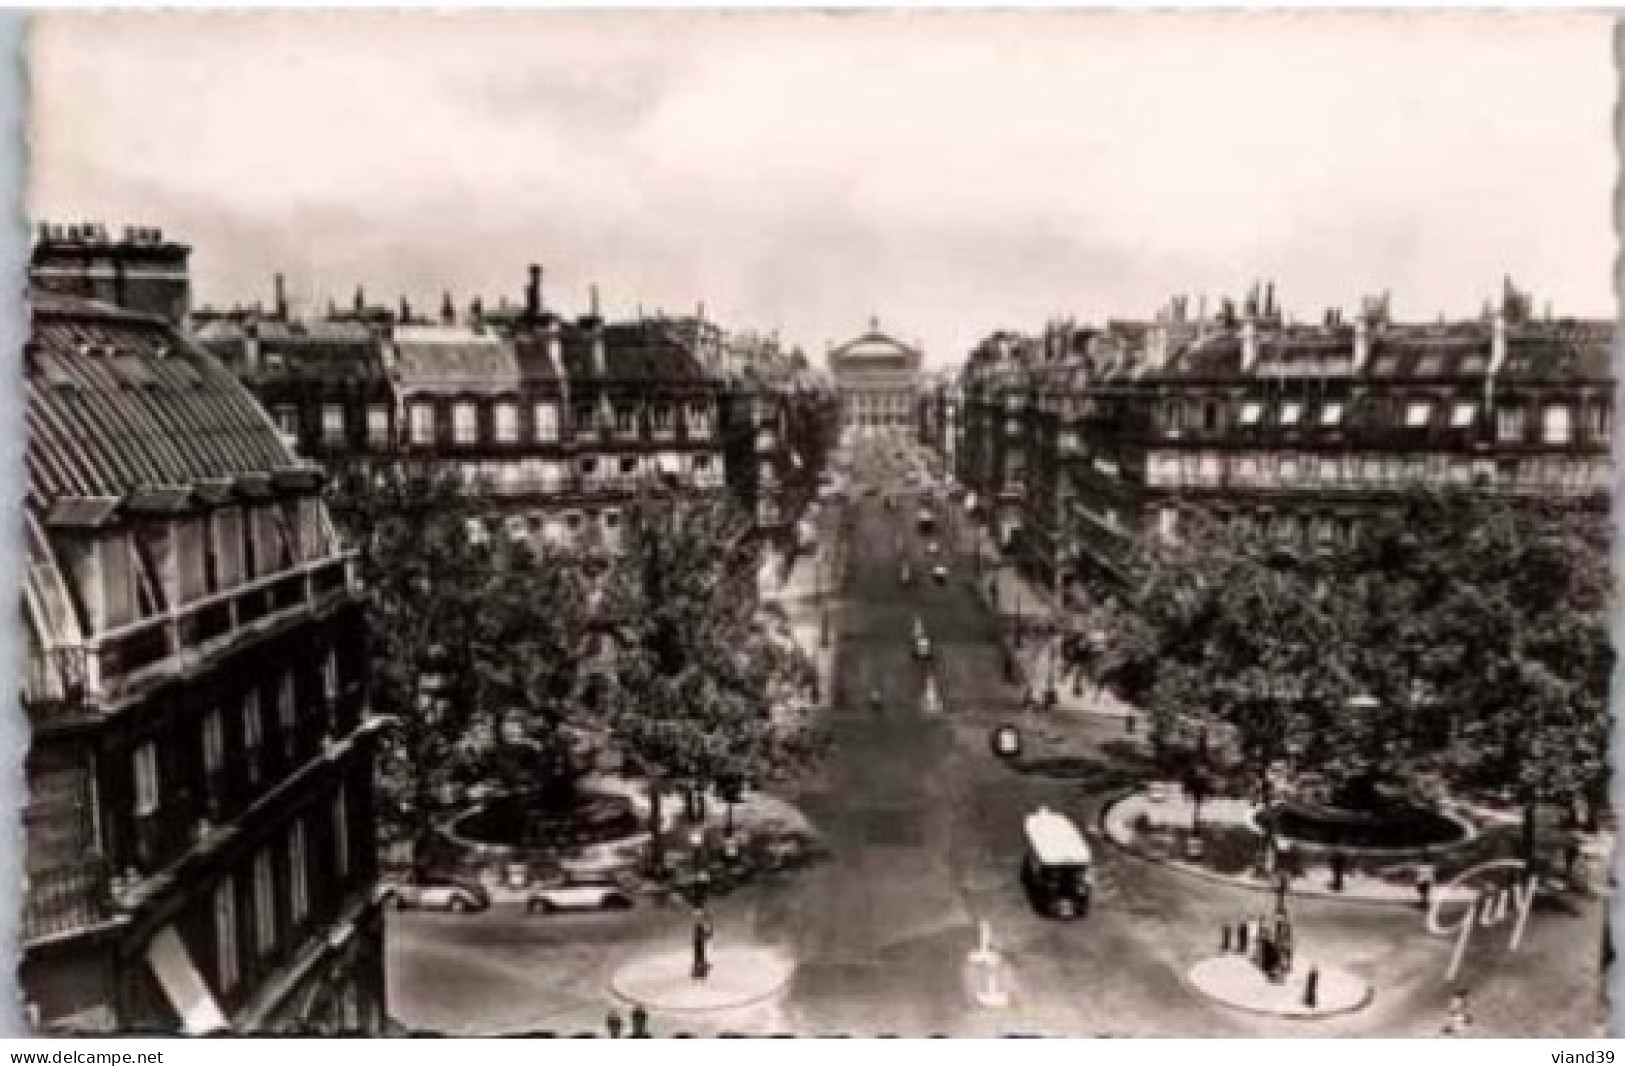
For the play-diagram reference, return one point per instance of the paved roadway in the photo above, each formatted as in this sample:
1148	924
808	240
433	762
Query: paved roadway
924	831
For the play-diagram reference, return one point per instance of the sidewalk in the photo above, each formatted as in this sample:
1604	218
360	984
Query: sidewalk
1151	827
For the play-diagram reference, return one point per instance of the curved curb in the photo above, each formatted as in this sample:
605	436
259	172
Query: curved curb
1302	1014
754	998
1233	882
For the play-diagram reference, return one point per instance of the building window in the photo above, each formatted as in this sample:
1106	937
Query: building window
626	422
1210	417
298	873
377	425
465	423
1331	414
422	423
253	733
1250	412
264	903
287	419
332	423
330	674
225	934
1509	424
629	464
589	465
1555	424
146	779
1290	413
287	711
1463	415
507	426
341	832
547	422
1597	420
660	419
214	742
1417	414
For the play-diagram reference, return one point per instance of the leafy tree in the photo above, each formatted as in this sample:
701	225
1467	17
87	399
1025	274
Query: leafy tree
1462	632
696	664
449	597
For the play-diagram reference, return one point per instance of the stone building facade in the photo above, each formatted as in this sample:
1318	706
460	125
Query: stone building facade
199	834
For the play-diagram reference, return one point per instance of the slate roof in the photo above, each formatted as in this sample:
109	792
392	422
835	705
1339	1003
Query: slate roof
328	351
122	406
633	352
1544	350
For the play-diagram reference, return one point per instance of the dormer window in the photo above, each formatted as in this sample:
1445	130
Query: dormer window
1331	414
1250	413
1418	414
378	425
1291	411
1463	416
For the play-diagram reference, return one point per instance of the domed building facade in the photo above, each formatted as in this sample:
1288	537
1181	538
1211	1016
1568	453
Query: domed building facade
877	377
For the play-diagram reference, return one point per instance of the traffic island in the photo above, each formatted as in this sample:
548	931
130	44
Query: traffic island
1312	990
737	977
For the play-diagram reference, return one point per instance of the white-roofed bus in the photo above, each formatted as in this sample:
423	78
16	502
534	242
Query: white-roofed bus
1057	868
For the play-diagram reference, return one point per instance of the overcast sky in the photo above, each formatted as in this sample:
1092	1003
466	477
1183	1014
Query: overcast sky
950	173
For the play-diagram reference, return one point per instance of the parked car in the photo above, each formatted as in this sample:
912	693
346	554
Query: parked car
440	894
580	892
940	572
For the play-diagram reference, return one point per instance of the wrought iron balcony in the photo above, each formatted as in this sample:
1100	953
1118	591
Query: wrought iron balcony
65	682
66	899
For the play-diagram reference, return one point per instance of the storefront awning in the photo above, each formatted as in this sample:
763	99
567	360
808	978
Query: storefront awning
184	987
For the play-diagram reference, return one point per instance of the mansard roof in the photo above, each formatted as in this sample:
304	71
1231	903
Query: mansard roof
642	352
122	407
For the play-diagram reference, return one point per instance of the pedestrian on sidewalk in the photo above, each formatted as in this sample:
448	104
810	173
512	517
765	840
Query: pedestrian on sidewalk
1424	881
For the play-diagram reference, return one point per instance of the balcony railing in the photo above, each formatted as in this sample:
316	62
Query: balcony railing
59	680
66	899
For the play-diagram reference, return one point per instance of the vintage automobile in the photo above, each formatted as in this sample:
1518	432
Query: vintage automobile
439	894
580	892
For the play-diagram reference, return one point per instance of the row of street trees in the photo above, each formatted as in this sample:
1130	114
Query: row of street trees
658	649
1462	638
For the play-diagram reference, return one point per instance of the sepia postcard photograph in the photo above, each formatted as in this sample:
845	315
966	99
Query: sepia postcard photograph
866	523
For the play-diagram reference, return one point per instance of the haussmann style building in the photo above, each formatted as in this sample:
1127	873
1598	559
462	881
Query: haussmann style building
199	841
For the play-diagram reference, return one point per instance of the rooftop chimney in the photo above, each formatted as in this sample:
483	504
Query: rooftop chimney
1249	344
592	302
1498	342
281	287
406	311
533	293
360	300
1362	342
448	310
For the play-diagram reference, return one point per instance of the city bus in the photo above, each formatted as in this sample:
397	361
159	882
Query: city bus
1056	870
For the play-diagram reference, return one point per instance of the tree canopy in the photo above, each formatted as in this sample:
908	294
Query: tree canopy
1461	634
